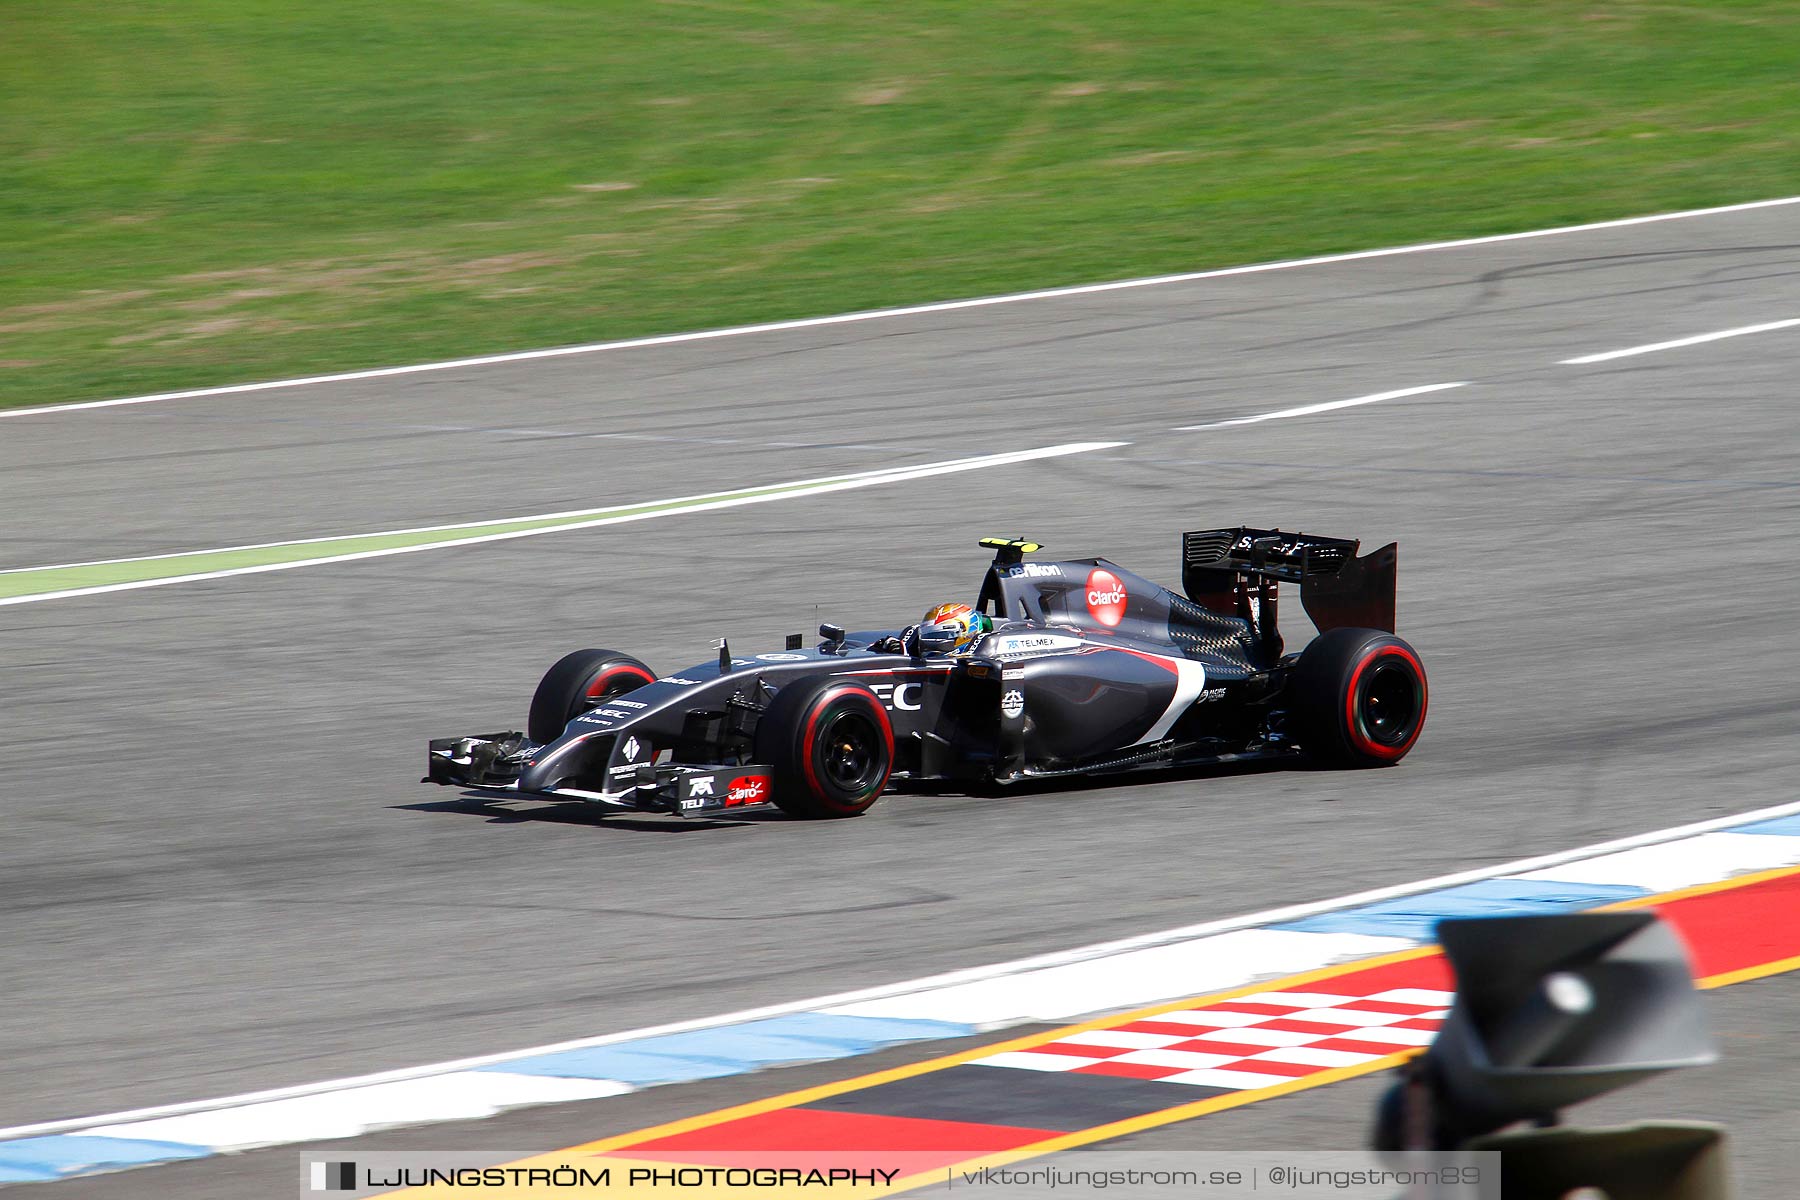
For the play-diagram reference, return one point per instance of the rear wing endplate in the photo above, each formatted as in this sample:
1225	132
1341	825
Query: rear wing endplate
1337	589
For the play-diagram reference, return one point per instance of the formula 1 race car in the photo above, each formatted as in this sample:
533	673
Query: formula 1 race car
1088	669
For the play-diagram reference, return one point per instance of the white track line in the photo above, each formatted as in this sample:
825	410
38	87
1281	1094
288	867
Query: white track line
907	311
801	489
1696	340
1330	405
877	475
1273	916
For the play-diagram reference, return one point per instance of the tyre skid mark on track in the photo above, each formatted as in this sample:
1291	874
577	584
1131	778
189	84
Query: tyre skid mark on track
906	311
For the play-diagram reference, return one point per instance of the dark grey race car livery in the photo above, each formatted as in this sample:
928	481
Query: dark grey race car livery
1089	669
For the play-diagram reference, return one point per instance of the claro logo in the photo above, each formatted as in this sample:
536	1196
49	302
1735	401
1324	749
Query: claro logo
1106	597
747	789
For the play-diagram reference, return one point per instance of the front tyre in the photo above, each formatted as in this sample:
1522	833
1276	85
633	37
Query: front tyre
1360	697
580	681
831	745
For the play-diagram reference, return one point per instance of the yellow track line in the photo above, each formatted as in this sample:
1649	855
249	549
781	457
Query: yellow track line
1130	1125
858	1082
1199	1107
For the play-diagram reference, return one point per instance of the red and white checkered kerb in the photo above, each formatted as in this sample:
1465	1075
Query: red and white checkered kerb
1247	1042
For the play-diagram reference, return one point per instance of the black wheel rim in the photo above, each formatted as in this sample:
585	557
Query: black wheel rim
1389	704
851	753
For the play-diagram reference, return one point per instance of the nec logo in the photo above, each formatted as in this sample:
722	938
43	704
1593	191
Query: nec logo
902	697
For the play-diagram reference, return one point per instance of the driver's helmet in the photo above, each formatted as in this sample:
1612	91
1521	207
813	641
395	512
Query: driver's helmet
952	629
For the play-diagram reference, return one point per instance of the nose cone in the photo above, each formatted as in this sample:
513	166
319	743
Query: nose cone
553	765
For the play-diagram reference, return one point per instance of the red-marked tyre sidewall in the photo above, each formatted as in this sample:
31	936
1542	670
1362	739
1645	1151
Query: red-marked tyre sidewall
832	747
579	681
1356	728
616	680
1360	697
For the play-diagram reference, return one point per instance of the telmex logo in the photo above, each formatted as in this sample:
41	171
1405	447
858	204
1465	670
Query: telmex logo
1032	644
1106	597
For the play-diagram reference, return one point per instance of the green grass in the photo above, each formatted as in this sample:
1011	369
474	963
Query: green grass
218	191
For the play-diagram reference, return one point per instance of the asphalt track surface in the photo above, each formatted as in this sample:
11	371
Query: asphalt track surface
220	874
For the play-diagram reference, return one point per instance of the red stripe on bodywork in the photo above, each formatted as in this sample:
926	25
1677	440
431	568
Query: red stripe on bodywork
905	670
1165	663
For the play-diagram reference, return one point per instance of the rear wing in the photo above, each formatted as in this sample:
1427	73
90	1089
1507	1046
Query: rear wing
1337	589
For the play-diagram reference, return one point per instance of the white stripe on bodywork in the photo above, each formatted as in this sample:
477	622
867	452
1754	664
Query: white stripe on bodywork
1190	681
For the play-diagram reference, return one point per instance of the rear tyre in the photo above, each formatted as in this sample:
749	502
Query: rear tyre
831	745
1360	697
580	681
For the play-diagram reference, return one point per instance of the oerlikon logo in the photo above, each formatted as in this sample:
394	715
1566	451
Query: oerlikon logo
1106	597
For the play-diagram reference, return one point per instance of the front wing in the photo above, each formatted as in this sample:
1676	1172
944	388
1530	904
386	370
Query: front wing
490	763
